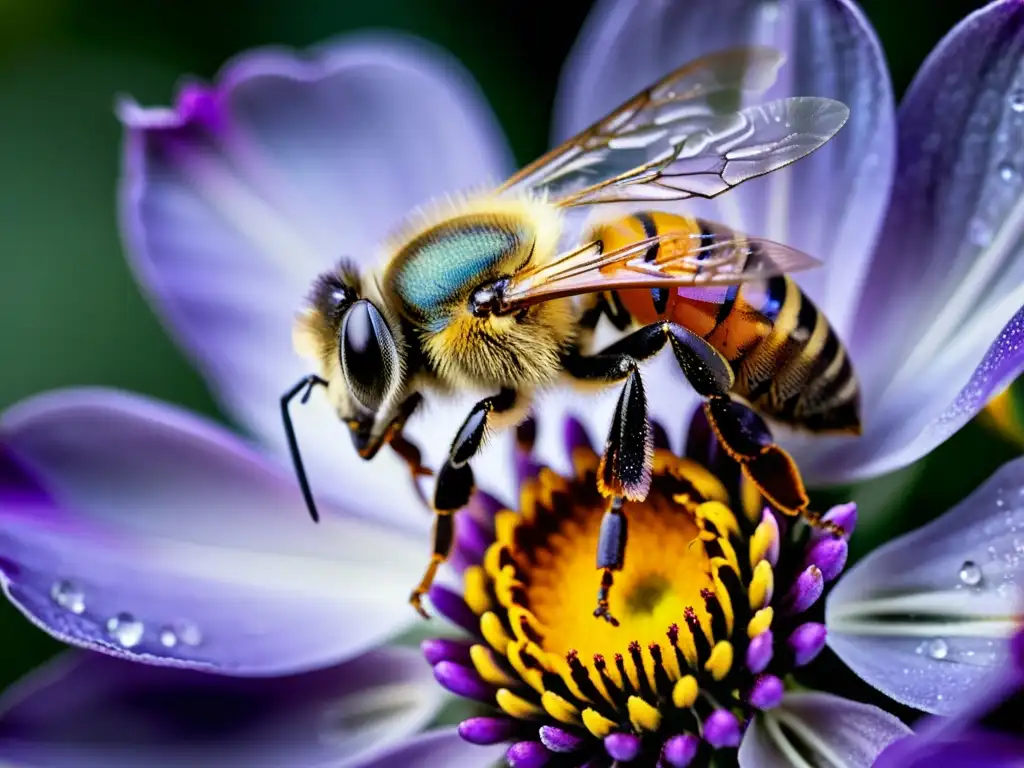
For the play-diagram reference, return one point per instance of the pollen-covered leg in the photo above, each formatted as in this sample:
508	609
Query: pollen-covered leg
455	483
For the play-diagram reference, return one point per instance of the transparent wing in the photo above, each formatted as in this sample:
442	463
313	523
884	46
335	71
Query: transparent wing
686	136
711	258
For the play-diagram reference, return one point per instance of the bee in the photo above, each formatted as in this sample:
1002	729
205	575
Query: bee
502	292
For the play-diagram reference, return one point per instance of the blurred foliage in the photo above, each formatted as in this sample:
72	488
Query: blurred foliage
71	313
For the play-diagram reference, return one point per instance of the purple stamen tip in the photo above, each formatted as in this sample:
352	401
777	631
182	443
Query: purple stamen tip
805	591
463	681
806	642
679	751
527	754
722	729
843	515
766	693
829	554
451	605
487	730
557	740
438	649
575	436
622	746
759	652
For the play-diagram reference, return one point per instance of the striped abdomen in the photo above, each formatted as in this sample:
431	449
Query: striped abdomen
788	361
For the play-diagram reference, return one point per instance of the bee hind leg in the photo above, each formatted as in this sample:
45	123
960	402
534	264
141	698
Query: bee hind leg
455	484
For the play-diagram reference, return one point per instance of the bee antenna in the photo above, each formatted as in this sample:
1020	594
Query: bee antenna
305	386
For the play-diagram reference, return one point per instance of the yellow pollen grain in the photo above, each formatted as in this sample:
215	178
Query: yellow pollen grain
762	585
762	541
720	661
475	592
487	666
642	715
761	622
559	708
530	675
494	632
685	692
516	706
599	725
505	524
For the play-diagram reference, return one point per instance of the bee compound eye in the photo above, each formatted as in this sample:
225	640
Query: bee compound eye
369	355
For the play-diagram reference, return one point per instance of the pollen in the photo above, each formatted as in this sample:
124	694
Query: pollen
705	603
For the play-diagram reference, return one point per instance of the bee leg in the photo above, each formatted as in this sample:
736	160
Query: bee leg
305	387
455	484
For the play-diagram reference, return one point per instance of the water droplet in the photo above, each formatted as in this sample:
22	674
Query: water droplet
67	595
970	573
126	629
189	634
979	232
938	649
921	648
1000	503
1007	172
1017	100
167	638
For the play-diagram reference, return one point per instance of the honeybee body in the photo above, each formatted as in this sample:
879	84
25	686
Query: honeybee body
787	360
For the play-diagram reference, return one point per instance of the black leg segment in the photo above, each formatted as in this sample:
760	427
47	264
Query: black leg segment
455	484
611	553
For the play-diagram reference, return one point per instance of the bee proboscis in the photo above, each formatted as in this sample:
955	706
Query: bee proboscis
500	292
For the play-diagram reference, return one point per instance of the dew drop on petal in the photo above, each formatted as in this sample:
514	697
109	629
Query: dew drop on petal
189	634
1007	172
126	629
1017	100
67	595
970	573
168	639
938	648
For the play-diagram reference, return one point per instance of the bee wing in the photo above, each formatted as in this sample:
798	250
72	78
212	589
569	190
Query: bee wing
666	260
686	136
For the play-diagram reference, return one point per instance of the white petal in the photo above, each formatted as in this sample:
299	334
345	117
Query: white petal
926	618
817	730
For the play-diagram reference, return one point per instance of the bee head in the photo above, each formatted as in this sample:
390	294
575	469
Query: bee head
359	353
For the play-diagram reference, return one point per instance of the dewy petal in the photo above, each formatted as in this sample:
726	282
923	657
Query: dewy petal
829	204
925	618
812	729
437	748
169	541
88	709
233	201
948	273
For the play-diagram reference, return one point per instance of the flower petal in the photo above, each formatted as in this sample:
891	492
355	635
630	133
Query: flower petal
435	748
169	541
233	201
830	204
87	709
925	618
949	268
977	748
818	729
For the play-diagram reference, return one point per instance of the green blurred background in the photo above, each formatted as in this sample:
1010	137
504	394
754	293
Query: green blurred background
70	313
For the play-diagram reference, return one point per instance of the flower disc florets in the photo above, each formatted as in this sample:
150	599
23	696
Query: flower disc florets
711	604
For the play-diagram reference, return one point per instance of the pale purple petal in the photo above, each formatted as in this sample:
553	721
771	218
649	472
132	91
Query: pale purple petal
948	273
830	204
170	541
977	748
233	201
437	748
819	729
90	710
925	618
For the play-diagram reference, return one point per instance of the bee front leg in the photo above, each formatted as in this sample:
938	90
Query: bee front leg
455	483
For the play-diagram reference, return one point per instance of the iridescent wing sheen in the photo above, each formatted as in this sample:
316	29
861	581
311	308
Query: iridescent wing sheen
686	136
667	260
